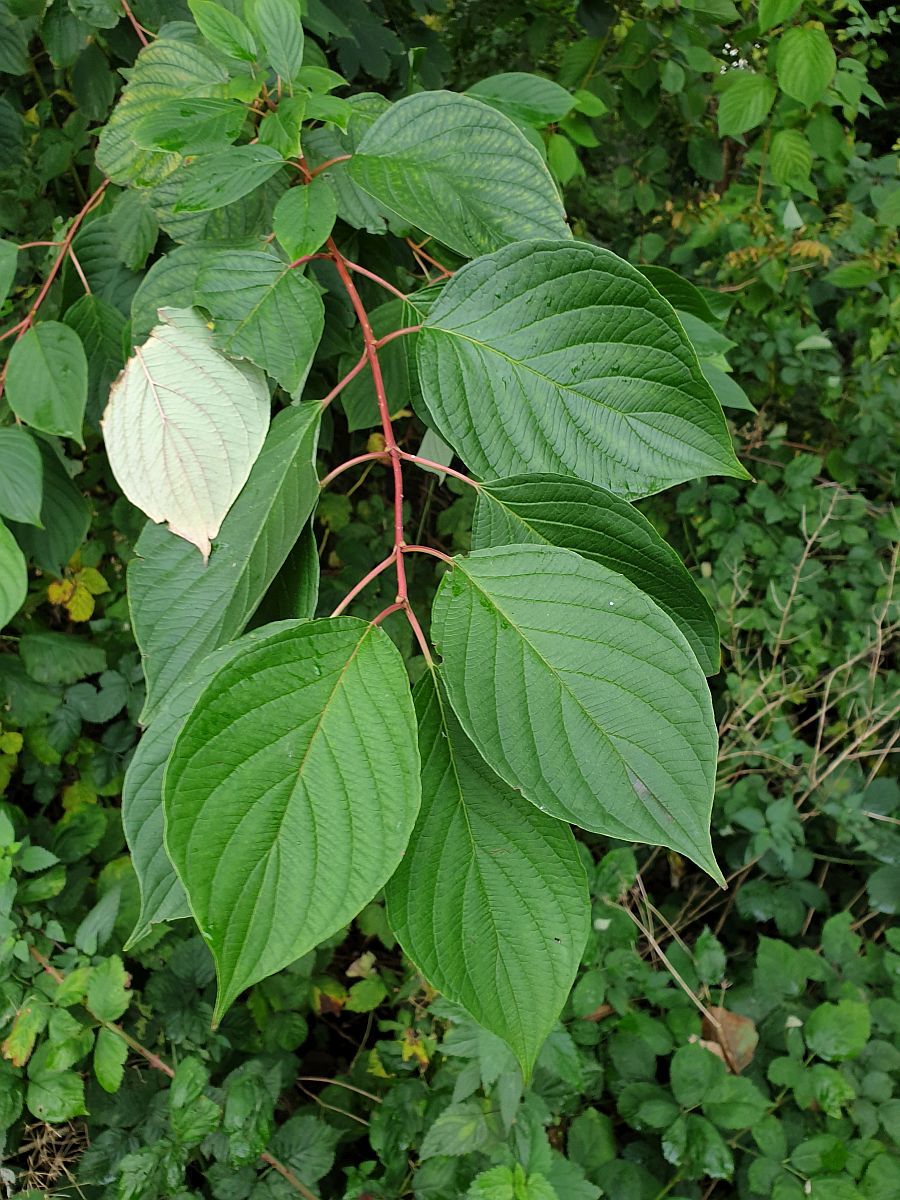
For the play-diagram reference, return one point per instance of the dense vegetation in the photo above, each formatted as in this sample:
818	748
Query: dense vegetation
715	1043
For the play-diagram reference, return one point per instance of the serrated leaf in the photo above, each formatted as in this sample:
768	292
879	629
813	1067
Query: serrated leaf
215	180
264	311
108	993
46	379
191	125
291	793
560	357
134	228
102	330
21	476
169	69
223	29
277	22
183	427
181	610
525	98
305	216
552	510
168	284
55	1097
13	576
65	516
805	63
744	103
790	157
110	1053
592	704
460	171
490	901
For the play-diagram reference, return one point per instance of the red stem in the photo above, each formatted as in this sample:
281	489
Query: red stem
351	374
135	24
305	258
386	612
430	550
365	581
435	466
339	158
374	456
375	278
389	337
29	245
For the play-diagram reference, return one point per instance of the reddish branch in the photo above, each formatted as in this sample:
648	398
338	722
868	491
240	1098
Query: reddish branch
136	25
158	1064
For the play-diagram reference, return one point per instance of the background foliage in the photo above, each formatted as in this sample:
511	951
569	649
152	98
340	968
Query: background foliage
692	142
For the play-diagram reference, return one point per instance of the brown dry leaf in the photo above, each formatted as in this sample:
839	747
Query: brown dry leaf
734	1040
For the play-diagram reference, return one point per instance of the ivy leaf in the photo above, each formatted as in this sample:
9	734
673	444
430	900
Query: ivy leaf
490	900
583	369
805	64
744	103
46	379
291	793
552	510
21	476
178	611
305	216
214	180
277	22
183	427
459	170
263	311
13	576
594	704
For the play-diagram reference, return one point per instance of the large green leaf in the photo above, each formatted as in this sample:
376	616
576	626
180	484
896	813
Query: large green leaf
47	378
560	357
745	102
806	63
169	284
552	510
460	171
490	900
162	896
277	22
291	793
21	476
214	180
13	576
102	331
181	610
263	311
183	427
170	68
581	692
191	125
525	98
305	216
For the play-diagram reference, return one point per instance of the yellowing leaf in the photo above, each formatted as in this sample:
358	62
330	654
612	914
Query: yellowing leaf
60	591
80	605
91	579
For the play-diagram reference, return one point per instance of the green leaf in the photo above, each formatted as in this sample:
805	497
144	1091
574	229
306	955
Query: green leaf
490	900
838	1031
790	157
181	610
305	216
13	576
191	125
162	896
277	23
583	369
775	12
46	379
679	292
107	990
857	273
60	657
459	170
134	228
693	1071
884	889
594	704
459	1129
291	793
355	206
744	103
263	311
9	253
728	393
110	1053
56	1096
21	476
805	64
214	180
694	1145
552	510
183	428
734	1102
169	69
527	99
168	284
65	516
102	331
223	29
